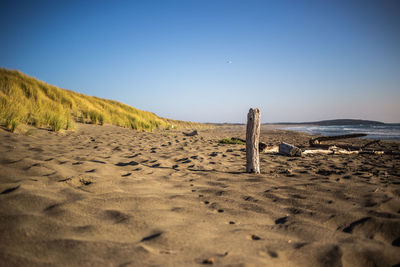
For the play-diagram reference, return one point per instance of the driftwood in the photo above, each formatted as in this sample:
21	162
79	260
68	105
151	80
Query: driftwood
289	150
252	141
191	133
330	151
272	150
346	149
318	140
343	146
370	143
261	145
380	152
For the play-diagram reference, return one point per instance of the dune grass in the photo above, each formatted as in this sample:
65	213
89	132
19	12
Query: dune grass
26	100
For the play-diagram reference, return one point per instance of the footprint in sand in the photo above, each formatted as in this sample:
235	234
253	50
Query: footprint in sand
294	210
97	161
117	148
9	190
272	254
84	229
281	220
52	207
250	198
78	181
220	193
151	237
134	156
185	160
255	237
131	163
116	216
349	229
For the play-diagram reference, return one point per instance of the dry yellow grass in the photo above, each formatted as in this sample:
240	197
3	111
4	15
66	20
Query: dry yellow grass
26	100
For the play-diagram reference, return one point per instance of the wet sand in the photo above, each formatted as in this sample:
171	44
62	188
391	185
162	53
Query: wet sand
108	196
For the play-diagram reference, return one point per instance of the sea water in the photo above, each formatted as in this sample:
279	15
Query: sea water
381	132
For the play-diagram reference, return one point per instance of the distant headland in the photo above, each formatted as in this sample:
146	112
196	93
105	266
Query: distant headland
336	122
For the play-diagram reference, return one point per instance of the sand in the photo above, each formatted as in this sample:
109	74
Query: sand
108	196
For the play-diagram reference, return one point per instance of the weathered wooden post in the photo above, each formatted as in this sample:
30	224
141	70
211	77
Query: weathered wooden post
252	140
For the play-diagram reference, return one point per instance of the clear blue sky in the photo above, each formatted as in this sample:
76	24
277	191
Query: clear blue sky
210	61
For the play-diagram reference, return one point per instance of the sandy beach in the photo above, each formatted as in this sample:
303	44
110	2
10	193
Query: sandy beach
110	196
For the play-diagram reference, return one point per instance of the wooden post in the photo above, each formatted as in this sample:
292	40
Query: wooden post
252	140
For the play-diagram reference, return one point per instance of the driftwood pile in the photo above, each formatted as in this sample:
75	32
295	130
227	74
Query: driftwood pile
317	147
316	142
346	148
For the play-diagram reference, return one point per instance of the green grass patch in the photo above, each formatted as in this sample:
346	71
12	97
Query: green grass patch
231	141
12	125
56	122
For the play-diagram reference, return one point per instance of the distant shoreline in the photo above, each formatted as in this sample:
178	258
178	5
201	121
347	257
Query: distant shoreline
319	123
377	131
336	122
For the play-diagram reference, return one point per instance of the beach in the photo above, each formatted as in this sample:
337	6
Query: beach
110	196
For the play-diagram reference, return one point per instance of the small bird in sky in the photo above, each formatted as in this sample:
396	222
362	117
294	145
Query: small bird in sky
229	62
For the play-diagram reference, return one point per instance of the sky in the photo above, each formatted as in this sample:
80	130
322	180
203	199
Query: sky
210	61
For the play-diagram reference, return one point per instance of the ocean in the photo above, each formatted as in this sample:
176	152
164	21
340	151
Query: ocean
381	132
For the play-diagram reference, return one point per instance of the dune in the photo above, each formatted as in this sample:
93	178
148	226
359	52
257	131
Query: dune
25	100
110	196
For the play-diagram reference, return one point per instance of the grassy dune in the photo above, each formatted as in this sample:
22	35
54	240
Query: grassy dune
26	100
